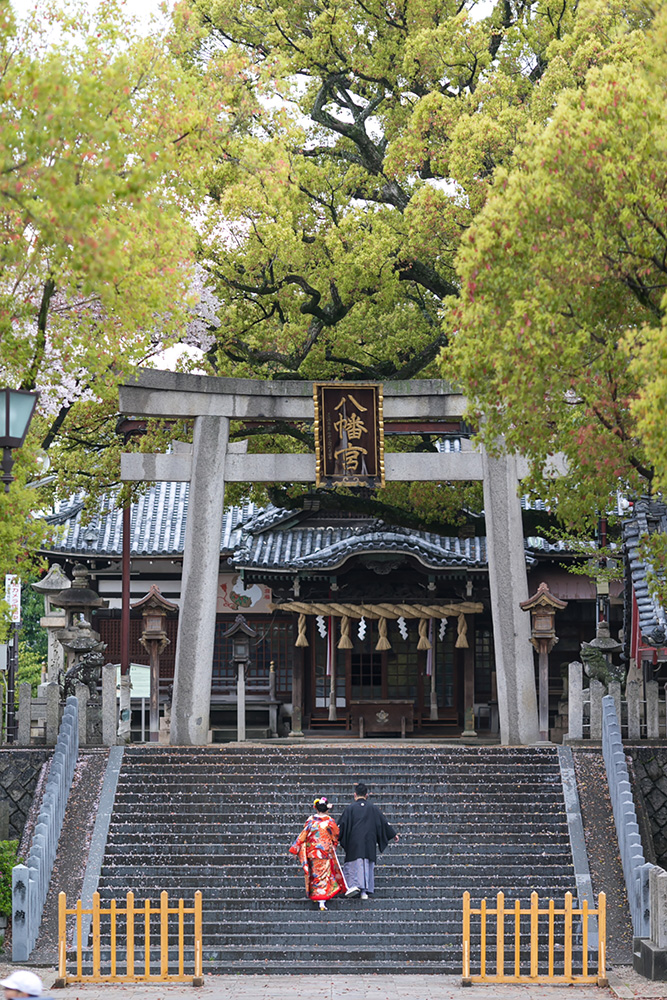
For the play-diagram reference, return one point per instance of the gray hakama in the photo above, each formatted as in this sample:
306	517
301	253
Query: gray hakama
361	873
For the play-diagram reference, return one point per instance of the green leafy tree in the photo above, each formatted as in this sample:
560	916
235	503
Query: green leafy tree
31	666
8	858
32	609
102	137
559	330
376	132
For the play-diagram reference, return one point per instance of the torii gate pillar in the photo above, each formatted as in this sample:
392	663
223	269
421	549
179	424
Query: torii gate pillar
199	585
212	461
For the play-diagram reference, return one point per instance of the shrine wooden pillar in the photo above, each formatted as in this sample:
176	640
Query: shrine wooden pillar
469	681
297	692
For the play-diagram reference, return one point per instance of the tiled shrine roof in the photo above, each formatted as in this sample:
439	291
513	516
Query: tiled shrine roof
648	516
268	537
158	524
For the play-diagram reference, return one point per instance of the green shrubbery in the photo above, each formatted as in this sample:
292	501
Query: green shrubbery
8	858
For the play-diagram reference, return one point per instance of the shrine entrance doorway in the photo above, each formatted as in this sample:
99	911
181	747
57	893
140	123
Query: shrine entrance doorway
365	675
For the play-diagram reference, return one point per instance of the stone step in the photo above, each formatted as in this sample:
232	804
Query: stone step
395	858
228	802
548	883
126	807
340	774
385	752
215	834
360	954
522	831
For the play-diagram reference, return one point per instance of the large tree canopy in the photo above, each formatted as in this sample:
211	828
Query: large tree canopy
559	332
100	135
377	129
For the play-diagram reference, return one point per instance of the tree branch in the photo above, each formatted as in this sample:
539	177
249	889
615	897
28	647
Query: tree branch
30	378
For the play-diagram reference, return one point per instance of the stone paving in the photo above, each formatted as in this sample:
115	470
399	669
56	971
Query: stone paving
624	983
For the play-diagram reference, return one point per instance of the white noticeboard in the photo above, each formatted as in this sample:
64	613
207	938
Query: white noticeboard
13	597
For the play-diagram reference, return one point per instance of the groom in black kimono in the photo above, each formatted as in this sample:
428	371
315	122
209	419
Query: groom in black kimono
363	829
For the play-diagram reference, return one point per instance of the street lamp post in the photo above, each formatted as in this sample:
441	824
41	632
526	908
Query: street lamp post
154	608
543	606
16	409
240	633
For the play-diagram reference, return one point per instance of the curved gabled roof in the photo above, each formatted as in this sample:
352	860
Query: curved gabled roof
304	548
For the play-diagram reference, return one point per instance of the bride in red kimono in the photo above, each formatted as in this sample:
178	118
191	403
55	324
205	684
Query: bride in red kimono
316	849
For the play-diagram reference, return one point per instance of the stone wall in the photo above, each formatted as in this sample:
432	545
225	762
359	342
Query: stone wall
19	771
651	773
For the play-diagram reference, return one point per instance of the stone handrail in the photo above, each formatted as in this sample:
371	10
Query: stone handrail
30	881
635	868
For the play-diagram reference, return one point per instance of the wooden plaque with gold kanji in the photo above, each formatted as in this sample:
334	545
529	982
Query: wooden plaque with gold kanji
349	434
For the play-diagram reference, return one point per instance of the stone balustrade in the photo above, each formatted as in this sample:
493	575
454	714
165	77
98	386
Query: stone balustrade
641	709
39	718
635	868
30	881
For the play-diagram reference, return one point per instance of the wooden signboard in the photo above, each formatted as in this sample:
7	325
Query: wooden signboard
349	434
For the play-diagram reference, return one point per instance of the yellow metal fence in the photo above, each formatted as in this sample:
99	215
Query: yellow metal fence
568	941
124	959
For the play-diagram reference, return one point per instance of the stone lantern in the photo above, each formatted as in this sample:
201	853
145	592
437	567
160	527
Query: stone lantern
543	606
597	656
240	633
54	619
82	644
154	609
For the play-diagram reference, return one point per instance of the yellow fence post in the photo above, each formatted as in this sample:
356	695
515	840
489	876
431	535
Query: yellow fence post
534	919
79	948
112	928
466	980
96	934
62	939
568	935
584	938
602	940
482	937
147	937
198	979
164	934
130	934
517	938
500	934
552	935
181	936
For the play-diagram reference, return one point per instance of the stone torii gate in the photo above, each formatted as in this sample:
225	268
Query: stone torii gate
212	460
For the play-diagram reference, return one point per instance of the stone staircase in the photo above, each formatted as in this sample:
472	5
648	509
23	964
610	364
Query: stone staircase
221	819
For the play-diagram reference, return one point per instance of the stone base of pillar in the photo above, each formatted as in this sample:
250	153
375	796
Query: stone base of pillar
651	961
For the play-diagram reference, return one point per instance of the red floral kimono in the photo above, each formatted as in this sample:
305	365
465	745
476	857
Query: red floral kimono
315	847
